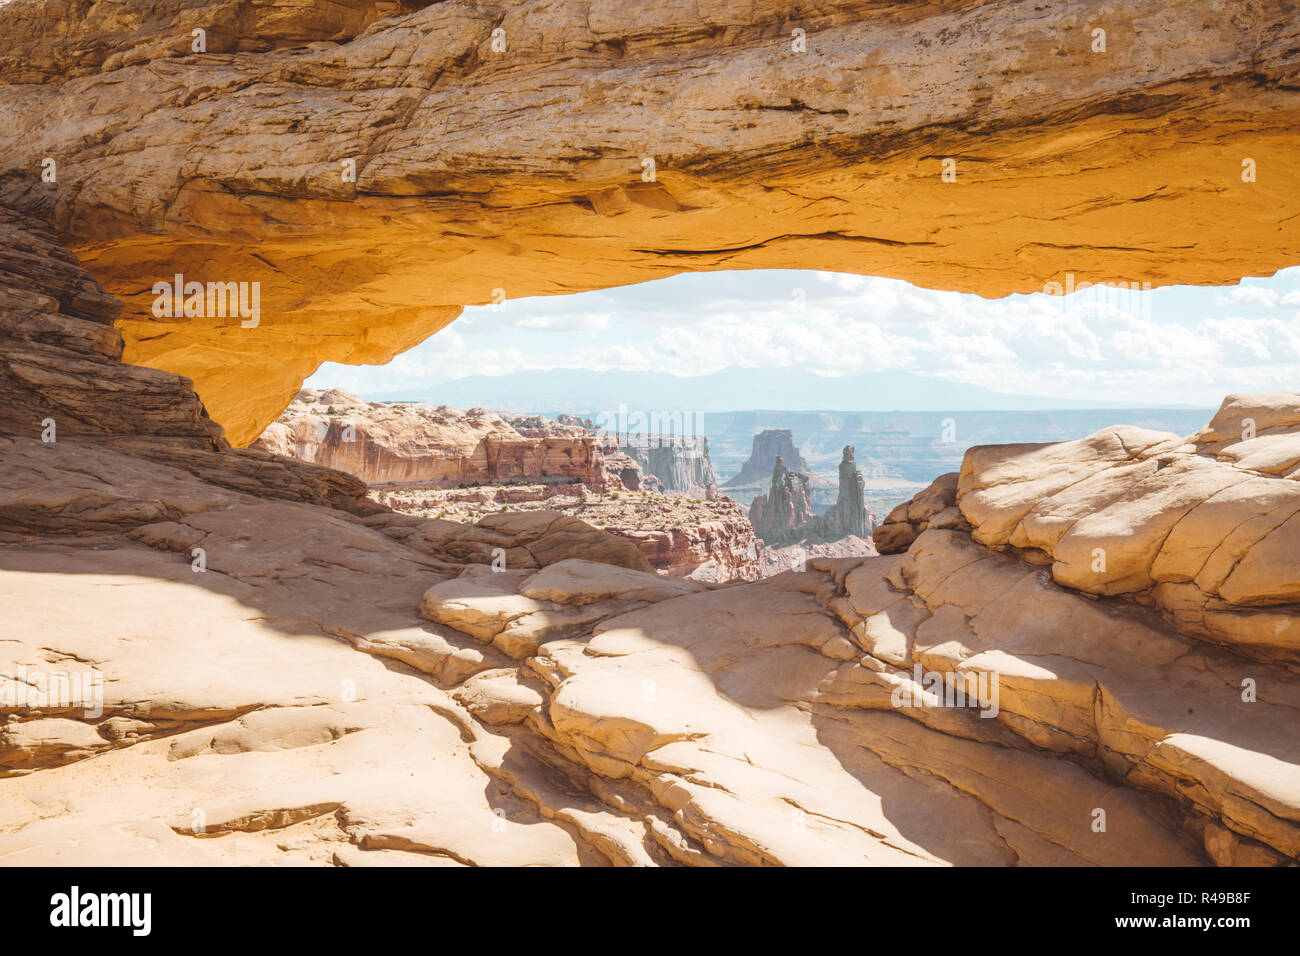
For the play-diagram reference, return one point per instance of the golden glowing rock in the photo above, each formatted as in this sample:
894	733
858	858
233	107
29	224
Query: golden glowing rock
1167	157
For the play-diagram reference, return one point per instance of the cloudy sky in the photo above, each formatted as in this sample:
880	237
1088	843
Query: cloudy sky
1183	344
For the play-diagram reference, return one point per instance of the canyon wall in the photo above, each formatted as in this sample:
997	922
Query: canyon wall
681	464
710	540
387	444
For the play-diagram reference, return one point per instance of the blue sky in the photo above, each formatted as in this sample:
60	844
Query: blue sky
1181	344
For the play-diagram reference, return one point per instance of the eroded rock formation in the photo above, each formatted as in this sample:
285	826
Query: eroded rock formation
755	476
849	515
375	173
680	536
66	392
720	548
785	509
680	464
785	515
1217	548
415	443
613	715
771	445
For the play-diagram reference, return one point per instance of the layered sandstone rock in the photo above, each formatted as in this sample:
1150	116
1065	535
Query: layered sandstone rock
375	171
680	464
627	470
935	506
66	392
717	550
511	541
440	448
1204	528
709	540
416	443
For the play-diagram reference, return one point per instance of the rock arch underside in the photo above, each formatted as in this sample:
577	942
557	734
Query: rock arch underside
292	672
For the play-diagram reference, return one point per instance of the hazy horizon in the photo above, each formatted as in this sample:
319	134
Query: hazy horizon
454	394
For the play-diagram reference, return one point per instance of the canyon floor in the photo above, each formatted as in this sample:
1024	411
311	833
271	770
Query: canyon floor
709	540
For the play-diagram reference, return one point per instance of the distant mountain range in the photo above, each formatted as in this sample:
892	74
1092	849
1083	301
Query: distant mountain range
789	389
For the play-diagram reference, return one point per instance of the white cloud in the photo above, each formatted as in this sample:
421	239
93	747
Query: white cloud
568	322
1185	344
1251	295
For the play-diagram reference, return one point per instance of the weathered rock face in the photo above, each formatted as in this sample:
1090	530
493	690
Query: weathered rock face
235	165
439	447
62	355
771	445
936	507
627	471
785	509
1219	538
784	514
520	540
720	550
681	537
66	392
681	464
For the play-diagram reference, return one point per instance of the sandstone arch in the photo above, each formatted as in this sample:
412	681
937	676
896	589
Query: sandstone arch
521	171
